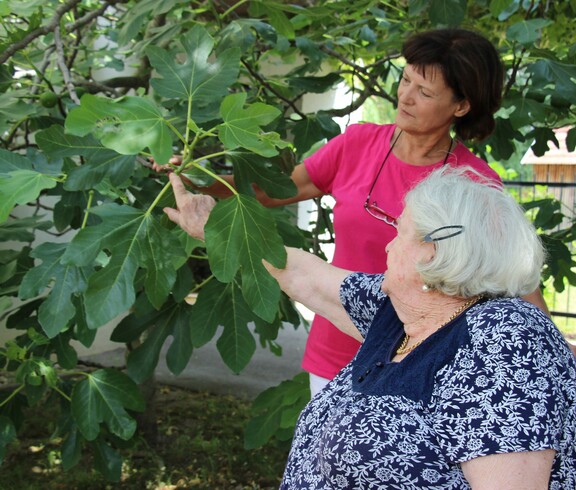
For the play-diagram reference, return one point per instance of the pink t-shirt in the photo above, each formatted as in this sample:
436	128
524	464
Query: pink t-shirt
345	168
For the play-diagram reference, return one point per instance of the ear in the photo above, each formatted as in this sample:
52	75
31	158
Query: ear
429	253
462	108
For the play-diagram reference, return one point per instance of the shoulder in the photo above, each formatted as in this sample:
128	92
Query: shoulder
362	296
369	130
510	388
510	320
512	336
465	158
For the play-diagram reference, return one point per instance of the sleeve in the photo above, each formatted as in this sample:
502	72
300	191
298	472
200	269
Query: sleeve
505	391
323	165
362	296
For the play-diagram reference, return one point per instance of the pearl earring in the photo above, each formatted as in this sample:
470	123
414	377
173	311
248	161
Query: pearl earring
425	288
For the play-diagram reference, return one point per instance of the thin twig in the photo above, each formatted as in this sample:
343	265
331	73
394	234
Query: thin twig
53	24
61	59
36	33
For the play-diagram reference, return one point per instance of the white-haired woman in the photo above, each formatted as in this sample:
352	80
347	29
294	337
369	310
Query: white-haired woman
459	383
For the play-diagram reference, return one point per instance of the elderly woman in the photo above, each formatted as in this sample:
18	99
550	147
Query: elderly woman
459	383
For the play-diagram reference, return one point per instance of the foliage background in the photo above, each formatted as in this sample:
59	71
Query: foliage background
91	90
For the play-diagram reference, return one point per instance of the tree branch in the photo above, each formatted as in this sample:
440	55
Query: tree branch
53	24
63	67
271	89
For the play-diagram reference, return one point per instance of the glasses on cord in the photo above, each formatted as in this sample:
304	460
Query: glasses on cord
372	207
376	212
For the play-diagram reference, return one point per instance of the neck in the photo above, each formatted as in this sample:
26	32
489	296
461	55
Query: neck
423	149
433	310
423	327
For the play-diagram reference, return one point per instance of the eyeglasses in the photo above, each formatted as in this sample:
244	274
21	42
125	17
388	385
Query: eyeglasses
372	208
430	238
376	212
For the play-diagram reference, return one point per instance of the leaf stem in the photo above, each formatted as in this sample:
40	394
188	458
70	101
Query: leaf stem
64	395
88	206
232	8
181	169
209	172
175	131
202	284
12	395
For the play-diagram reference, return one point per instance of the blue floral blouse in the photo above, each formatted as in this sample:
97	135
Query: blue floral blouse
499	378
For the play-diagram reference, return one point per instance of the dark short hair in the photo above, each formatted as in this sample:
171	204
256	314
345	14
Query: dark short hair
471	67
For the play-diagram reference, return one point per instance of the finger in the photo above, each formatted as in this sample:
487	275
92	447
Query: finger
177	187
173	215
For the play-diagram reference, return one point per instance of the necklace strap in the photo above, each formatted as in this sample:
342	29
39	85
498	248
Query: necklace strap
403	349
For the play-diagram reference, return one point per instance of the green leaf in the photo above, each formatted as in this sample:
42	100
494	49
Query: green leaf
67	281
526	111
107	460
99	162
133	239
7	435
250	168
499	6
242	127
571	139
317	85
143	359
236	344
210	310
240	232
201	80
313	129
277	17
447	12
103	397
57	144
561	75
276	409
21	229
21	187
180	350
161	271
10	162
223	305
527	32
71	449
66	354
127	125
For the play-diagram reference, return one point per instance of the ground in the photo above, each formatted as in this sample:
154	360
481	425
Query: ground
200	446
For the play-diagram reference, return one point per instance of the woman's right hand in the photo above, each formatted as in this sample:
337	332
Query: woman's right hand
176	160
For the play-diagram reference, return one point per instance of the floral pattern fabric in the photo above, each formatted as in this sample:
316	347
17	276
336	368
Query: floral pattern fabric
499	378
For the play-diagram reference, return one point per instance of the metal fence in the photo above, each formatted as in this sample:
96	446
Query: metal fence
562	305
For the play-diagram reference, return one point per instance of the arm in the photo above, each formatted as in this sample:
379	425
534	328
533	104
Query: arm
306	278
316	284
512	471
305	188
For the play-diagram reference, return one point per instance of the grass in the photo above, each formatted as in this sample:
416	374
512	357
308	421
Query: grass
200	447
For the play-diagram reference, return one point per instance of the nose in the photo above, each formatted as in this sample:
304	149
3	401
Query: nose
405	95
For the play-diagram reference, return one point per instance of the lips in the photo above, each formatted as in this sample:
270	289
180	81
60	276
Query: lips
404	112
